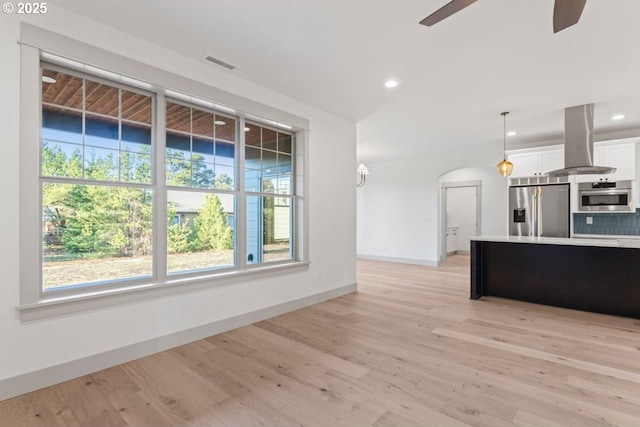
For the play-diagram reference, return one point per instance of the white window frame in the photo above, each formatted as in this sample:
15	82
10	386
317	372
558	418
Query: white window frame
38	46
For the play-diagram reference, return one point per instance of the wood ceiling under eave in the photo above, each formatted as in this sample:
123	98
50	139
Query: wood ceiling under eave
103	99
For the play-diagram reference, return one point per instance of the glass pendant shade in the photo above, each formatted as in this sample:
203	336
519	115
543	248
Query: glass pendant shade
505	168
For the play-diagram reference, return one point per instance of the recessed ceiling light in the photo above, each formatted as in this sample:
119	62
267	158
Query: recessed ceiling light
618	117
390	84
247	129
220	122
512	133
47	79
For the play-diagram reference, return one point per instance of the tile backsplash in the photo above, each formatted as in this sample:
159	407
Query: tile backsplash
608	223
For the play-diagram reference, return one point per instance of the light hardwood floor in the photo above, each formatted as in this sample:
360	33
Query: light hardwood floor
409	349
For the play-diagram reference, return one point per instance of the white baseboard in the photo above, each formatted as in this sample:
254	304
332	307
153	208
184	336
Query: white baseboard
399	260
25	383
459	252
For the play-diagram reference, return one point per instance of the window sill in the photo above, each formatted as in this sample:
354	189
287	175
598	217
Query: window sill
59	306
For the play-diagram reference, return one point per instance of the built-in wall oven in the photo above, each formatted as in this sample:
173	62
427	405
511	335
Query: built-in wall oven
605	196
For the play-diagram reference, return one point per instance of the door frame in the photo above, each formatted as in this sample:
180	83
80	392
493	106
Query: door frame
444	186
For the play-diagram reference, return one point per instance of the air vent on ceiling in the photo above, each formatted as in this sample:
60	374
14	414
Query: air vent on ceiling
221	63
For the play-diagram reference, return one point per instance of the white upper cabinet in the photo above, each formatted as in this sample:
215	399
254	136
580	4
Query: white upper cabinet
551	160
536	162
622	157
620	154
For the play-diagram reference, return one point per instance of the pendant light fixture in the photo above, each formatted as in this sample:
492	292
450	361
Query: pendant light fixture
505	167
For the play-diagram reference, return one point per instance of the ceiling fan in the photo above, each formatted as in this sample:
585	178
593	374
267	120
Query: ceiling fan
565	12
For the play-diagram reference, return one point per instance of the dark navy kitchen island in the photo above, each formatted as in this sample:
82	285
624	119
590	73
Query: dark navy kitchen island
601	276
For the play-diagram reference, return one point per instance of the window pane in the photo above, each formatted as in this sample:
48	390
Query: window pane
178	146
60	124
284	163
135	167
65	89
135	157
284	143
269	183
200	231
178	172
101	164
203	148
225	128
62	160
252	158
102	99
94	233
252	135
284	184
269	161
269	171
224	177
203	174
136	107
202	123
269	225
269	139
136	138
225	153
178	117
101	132
252	179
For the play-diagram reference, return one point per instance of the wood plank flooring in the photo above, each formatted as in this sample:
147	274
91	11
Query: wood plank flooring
409	349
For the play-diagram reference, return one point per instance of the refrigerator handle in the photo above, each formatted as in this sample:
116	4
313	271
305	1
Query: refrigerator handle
537	212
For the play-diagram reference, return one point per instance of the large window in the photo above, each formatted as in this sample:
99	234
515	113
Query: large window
138	187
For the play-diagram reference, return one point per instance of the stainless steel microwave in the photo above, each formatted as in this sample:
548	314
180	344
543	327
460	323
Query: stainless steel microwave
605	196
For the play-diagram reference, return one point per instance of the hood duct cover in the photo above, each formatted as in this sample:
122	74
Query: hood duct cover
578	143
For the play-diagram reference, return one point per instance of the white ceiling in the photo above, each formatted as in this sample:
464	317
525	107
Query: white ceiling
455	77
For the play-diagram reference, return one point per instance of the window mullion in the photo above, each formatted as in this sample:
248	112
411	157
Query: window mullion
158	138
241	201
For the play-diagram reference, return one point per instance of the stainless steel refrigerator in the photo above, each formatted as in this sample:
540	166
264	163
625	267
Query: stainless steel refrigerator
539	210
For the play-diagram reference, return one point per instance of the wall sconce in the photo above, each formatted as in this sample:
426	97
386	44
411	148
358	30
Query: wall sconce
362	173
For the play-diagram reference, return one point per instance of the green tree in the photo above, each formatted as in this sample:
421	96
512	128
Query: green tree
210	226
180	236
55	162
223	182
184	172
136	167
96	219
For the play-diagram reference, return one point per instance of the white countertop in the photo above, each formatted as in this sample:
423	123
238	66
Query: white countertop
612	242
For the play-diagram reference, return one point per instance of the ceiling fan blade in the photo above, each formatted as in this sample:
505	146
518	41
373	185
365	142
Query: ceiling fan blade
566	13
446	11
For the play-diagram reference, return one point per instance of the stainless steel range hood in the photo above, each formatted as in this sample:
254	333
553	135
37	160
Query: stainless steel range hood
578	143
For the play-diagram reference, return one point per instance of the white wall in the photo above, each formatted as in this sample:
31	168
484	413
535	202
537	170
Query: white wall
461	213
494	213
399	213
27	347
